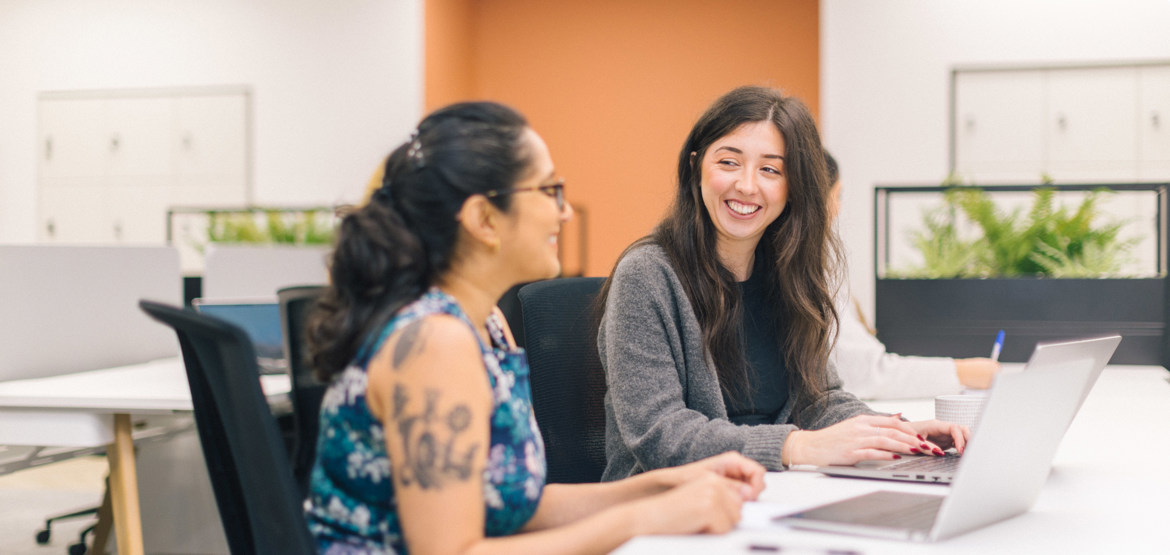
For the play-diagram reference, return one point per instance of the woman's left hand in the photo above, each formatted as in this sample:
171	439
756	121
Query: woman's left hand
943	434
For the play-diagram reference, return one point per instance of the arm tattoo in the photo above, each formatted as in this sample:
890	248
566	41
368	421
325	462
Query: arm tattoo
429	461
410	343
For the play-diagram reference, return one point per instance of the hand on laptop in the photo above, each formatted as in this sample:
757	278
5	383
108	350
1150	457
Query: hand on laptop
866	437
943	434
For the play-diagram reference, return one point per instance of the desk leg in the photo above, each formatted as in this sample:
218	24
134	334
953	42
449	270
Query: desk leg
124	488
101	533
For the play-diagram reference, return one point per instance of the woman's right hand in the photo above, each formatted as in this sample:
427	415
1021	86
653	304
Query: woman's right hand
706	504
863	437
731	465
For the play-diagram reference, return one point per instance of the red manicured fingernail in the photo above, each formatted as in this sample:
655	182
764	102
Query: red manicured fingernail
938	452
920	438
897	456
914	450
925	446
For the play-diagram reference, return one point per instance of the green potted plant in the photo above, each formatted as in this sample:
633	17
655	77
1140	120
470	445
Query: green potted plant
1041	272
311	226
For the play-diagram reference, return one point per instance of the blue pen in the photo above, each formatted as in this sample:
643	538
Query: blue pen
995	349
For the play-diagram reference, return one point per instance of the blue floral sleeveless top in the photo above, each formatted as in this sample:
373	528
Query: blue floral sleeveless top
351	507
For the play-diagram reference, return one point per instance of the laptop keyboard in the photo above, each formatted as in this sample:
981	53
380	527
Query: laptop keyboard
949	463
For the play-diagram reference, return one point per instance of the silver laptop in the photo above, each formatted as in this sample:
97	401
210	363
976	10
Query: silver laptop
1095	352
260	319
1005	465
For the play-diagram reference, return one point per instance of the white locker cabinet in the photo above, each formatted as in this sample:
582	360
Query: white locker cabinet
210	146
1092	124
137	132
1098	124
72	213
72	133
999	125
137	213
112	163
1153	119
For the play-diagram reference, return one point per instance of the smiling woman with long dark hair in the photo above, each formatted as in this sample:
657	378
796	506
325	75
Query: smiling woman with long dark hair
716	330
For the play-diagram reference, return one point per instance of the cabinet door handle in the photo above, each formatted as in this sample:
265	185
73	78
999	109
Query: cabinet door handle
1155	119
1061	122
115	142
48	148
51	228
969	122
118	230
187	141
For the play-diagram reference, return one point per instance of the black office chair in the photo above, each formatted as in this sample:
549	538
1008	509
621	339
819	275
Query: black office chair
307	391
259	503
568	382
509	305
100	530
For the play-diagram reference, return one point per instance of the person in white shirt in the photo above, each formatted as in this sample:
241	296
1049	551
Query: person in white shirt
869	372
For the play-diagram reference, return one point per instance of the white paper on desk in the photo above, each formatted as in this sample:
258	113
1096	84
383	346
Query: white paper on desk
758	515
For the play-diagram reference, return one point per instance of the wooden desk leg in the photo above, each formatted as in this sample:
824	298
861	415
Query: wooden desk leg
124	488
101	533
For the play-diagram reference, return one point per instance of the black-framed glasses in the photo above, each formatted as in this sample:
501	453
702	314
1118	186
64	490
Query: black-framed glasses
554	189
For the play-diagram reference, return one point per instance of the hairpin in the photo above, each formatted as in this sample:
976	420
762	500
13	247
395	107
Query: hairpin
415	153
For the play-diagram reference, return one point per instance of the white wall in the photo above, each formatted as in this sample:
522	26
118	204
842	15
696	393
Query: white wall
885	81
335	85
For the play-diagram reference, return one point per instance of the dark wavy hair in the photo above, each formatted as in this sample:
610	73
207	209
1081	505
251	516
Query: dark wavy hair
799	250
391	250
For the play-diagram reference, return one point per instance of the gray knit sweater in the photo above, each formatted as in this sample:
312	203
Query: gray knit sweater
664	406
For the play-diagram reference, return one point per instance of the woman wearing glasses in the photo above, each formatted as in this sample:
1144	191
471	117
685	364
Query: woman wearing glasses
428	442
716	328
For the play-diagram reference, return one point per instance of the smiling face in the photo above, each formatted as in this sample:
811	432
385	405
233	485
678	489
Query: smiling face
744	188
529	240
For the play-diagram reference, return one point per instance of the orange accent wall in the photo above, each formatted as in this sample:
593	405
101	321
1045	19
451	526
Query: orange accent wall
447	52
613	86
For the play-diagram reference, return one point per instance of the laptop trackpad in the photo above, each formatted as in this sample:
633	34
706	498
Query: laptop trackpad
881	513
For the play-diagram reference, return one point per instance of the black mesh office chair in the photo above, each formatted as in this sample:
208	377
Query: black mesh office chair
259	503
568	382
307	391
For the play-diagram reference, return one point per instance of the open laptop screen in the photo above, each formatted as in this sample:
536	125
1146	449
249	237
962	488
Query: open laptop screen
259	318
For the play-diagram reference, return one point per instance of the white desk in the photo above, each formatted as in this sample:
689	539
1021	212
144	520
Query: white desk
88	409
1089	504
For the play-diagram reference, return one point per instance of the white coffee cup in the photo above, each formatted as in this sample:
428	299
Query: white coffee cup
960	409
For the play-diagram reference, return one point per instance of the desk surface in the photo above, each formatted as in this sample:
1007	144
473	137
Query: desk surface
76	409
154	387
1088	505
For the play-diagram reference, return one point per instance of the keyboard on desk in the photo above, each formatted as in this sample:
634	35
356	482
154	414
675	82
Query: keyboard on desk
928	469
948	463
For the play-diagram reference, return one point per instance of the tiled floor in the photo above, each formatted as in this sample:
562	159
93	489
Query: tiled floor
29	496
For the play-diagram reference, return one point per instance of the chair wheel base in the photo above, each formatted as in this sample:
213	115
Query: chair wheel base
43	536
77	549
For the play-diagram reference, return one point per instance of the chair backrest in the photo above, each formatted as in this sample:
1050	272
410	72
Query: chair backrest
568	382
307	391
257	498
509	304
